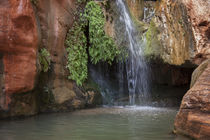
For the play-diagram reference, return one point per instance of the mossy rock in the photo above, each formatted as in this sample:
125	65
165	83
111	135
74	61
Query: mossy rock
153	46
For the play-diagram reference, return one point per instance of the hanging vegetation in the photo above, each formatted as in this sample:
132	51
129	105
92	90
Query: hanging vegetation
101	47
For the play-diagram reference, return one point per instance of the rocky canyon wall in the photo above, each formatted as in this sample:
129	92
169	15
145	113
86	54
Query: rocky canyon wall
26	27
178	34
56	18
176	31
181	30
18	48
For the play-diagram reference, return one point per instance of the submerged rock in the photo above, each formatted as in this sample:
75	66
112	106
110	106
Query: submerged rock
193	117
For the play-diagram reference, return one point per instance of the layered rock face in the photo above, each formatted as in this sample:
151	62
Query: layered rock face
199	17
18	49
193	117
174	32
56	17
24	27
180	31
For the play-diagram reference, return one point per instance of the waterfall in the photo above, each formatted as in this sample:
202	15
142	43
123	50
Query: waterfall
136	66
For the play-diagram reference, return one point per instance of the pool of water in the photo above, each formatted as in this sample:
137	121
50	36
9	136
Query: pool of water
107	123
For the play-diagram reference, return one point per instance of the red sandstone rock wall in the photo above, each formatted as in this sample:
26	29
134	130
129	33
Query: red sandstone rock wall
56	17
20	33
18	45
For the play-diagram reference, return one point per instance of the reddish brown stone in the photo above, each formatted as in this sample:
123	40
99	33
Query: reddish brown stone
193	118
18	44
199	17
56	17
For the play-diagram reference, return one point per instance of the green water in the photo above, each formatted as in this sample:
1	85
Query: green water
116	123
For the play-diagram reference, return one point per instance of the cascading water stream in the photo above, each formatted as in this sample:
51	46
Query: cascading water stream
136	67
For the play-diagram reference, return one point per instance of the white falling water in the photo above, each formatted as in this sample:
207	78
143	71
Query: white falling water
136	67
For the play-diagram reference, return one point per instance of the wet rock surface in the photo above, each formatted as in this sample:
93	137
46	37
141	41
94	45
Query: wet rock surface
173	33
181	30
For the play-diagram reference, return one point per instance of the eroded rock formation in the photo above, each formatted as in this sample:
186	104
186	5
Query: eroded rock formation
18	48
180	31
25	28
174	32
193	117
199	17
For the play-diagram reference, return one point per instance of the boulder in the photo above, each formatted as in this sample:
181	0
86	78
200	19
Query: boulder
193	118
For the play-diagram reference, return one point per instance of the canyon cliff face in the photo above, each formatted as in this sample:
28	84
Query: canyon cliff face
179	31
25	29
178	34
18	61
174	33
182	28
56	18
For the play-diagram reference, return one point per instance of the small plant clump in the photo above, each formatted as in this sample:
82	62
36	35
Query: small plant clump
34	2
100	46
44	59
81	1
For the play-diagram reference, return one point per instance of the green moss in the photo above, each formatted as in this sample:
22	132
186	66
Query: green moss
153	47
44	60
81	1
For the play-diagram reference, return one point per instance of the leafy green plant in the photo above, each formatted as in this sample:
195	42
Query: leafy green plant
44	59
102	47
81	1
77	55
